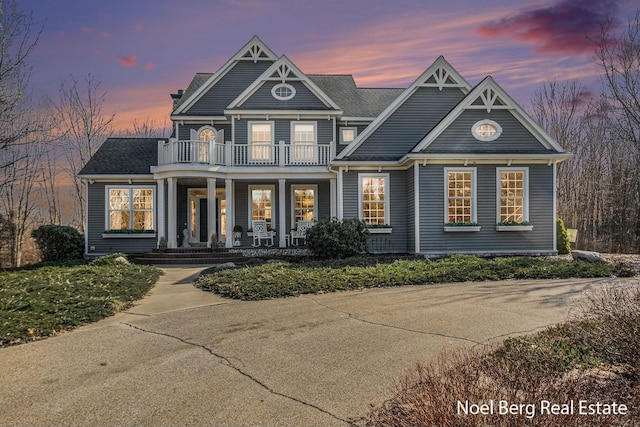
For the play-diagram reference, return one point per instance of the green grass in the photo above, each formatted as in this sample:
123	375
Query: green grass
40	302
282	280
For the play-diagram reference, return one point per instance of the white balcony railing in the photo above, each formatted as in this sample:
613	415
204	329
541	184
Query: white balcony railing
229	154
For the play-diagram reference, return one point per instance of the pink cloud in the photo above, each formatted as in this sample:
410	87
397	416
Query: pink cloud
127	61
564	27
150	65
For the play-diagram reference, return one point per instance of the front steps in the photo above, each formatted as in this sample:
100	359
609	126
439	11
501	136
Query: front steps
193	255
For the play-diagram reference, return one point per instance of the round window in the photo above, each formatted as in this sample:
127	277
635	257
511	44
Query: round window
486	130
283	91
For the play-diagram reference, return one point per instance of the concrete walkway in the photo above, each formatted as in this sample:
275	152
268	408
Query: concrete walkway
186	357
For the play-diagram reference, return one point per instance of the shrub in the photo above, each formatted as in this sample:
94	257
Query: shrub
58	242
337	239
562	238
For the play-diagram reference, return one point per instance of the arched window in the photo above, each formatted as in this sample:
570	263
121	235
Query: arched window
207	134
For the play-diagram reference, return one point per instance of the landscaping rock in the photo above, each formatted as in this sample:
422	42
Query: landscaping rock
588	256
122	260
225	266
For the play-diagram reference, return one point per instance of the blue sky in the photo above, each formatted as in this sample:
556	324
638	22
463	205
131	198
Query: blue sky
142	50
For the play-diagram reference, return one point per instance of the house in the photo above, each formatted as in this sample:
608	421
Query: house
439	167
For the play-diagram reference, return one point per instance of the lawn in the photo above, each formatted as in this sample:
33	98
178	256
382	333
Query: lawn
282	280
40	302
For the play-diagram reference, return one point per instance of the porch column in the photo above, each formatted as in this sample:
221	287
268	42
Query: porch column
282	213
228	188
332	197
172	241
339	198
212	210
160	227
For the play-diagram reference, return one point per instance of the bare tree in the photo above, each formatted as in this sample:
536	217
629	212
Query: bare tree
82	126
19	193
17	40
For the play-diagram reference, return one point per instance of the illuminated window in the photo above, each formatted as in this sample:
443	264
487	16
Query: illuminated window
512	195
460	195
260	204
348	134
303	140
130	208
374	203
304	203
207	134
261	142
486	130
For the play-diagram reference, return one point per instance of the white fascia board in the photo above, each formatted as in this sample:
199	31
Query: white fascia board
391	108
282	113
518	112
255	40
180	118
357	119
484	158
118	178
266	76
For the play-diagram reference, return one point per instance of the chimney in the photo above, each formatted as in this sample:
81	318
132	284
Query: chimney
176	97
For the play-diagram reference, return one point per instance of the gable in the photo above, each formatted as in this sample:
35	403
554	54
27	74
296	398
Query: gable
397	129
408	124
488	101
215	100
514	139
283	72
253	52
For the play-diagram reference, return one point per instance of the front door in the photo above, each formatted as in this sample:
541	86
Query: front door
197	215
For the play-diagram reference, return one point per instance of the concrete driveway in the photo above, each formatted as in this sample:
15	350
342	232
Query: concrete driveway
187	357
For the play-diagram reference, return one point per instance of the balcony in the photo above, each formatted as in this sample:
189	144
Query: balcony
229	154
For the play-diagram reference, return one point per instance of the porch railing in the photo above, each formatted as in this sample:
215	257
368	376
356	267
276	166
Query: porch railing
230	154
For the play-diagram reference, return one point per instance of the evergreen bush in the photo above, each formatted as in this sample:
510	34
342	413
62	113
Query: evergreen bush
58	242
330	238
562	238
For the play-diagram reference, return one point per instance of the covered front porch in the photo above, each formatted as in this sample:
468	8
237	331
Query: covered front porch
191	211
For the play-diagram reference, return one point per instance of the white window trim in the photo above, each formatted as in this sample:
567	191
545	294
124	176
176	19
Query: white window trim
525	203
283	98
361	176
314	143
107	188
250	124
486	138
474	192
215	132
273	208
353	128
295	187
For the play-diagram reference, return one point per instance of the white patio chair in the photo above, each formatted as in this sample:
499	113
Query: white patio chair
261	233
301	231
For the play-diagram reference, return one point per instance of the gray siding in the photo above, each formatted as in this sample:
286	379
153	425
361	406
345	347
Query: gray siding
409	123
434	240
96	226
304	99
283	130
228	88
515	138
397	240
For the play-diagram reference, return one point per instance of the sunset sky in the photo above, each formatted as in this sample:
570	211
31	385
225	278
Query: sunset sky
142	50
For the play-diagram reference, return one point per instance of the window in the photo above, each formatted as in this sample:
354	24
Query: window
374	204
260	204
304	203
513	203
283	91
207	134
303	139
261	141
460	195
348	134
486	130
130	208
